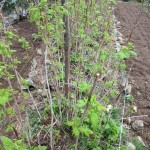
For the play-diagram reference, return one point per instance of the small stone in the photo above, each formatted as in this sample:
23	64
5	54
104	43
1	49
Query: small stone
6	23
115	32
14	16
118	46
33	74
130	146
123	84
109	107
113	38
119	34
41	108
109	8
128	89
138	93
114	17
137	125
34	63
118	23
140	140
120	40
42	92
39	51
48	62
128	120
39	90
134	108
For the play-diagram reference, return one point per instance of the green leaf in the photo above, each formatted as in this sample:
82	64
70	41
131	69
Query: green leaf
10	35
42	148
39	148
81	103
9	128
8	143
106	99
123	148
104	55
70	123
96	104
2	112
107	127
35	14
20	145
10	111
97	148
4	96
123	54
76	131
86	131
84	87
77	121
42	3
24	43
134	54
100	106
114	93
94	120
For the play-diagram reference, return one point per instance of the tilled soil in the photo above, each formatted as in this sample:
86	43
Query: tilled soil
135	23
23	29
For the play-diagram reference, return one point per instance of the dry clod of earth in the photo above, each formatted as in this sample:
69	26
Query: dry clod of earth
137	125
42	92
128	89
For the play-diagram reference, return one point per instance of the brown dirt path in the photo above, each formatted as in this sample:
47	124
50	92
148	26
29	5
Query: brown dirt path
127	14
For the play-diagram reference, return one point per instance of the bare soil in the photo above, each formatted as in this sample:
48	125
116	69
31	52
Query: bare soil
136	21
23	29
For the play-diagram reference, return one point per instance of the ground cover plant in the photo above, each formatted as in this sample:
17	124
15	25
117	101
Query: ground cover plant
80	75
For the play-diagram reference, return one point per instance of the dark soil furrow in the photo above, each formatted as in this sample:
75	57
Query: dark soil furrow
127	14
